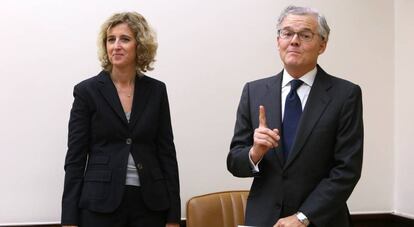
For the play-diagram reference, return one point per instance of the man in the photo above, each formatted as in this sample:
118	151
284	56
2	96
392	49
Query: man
299	134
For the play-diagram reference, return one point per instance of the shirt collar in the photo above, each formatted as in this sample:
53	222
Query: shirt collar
308	78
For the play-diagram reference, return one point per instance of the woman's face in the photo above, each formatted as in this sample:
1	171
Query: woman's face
121	46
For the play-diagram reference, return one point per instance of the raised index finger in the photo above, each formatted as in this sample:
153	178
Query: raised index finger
262	117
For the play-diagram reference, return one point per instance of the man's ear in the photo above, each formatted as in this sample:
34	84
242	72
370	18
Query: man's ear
322	46
277	42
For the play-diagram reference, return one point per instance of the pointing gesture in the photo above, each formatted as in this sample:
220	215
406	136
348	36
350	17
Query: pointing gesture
262	117
264	138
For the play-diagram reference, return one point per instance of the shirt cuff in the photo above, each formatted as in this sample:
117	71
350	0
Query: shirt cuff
255	168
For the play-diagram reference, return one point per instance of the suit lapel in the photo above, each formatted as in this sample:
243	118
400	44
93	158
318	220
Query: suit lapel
316	104
108	91
272	103
141	96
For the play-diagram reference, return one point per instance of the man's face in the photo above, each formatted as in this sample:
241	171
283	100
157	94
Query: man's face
298	52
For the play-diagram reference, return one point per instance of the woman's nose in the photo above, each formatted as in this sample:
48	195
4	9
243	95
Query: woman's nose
117	44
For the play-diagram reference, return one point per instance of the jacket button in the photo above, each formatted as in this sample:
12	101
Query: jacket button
129	141
139	166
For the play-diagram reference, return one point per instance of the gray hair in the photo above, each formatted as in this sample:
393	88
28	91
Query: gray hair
323	27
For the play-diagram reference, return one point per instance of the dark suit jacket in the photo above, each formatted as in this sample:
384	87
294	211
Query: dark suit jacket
326	159
100	140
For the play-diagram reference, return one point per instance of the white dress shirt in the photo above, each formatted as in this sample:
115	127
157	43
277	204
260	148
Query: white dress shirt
303	91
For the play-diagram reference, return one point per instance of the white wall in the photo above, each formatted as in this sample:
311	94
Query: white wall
404	111
208	50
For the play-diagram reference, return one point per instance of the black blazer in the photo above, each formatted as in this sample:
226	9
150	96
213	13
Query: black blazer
326	158
100	140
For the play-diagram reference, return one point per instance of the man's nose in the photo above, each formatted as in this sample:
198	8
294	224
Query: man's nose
295	41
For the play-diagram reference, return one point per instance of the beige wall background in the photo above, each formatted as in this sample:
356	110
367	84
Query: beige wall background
404	112
208	50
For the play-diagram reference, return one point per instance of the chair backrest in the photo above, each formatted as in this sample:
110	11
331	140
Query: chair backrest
220	209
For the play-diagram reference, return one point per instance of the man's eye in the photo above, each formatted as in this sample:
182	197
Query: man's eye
306	35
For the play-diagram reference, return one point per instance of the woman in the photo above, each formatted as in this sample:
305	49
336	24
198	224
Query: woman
121	167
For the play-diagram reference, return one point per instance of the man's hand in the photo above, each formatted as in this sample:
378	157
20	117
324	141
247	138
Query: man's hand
263	138
172	225
291	221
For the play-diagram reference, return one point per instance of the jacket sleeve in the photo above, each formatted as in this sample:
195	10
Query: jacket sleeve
238	162
168	159
333	191
78	140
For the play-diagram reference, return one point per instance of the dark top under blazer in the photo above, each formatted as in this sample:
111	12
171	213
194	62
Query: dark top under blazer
100	140
324	164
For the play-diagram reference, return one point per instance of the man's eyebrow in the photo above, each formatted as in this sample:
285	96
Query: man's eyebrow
301	30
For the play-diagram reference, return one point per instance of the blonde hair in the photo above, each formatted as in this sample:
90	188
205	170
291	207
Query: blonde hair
144	35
